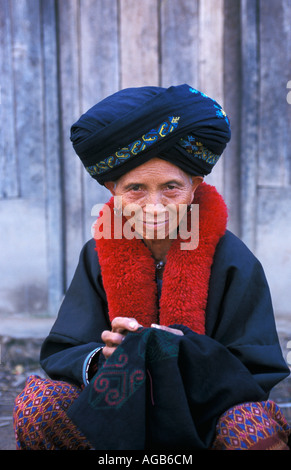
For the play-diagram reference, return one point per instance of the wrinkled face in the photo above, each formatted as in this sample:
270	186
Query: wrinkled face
154	197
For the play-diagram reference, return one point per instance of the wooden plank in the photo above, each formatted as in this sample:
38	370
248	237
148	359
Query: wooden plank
179	42
25	216
287	29
249	120
211	48
139	43
69	76
53	166
211	66
9	181
26	39
275	112
99	71
273	243
99	50
232	104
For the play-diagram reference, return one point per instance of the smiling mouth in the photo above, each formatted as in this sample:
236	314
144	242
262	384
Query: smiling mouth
155	223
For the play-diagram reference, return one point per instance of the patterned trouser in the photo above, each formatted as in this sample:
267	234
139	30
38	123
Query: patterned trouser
40	421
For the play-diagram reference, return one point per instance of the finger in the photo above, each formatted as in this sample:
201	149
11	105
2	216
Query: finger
111	338
166	328
121	324
107	351
124	323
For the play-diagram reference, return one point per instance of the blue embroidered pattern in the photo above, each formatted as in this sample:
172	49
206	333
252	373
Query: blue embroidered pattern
136	147
219	113
197	150
222	114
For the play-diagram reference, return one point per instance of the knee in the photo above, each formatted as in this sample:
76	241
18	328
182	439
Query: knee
258	425
27	407
37	407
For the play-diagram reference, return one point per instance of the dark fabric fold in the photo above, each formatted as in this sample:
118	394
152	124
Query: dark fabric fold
160	390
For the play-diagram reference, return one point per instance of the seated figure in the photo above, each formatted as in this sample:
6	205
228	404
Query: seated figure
166	338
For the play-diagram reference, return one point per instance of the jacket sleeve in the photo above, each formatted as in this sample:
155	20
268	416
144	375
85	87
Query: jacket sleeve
240	315
75	338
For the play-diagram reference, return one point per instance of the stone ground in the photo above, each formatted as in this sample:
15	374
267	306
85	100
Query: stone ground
19	358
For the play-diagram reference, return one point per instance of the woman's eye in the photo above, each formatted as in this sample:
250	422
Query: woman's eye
136	187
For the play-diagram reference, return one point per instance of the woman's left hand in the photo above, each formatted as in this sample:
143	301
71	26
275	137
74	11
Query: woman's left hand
120	327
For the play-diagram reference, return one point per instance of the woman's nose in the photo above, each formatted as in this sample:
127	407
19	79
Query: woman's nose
154	199
155	211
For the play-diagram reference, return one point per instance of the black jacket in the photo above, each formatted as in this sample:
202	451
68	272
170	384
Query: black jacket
240	351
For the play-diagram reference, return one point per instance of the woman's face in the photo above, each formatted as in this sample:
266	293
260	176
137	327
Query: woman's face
154	197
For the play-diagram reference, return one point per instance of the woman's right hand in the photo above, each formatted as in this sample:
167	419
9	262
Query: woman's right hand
120	326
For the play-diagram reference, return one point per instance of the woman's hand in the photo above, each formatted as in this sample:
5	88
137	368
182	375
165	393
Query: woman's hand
120	327
167	328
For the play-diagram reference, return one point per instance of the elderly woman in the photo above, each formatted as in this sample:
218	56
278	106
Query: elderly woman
166	337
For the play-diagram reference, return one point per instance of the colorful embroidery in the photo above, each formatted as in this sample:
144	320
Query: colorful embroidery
197	92
256	426
41	422
135	148
115	383
40	419
219	113
197	150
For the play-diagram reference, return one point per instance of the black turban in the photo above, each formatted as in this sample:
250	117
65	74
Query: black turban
178	124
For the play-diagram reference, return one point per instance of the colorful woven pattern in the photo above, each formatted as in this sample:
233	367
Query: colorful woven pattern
136	147
197	150
40	421
252	426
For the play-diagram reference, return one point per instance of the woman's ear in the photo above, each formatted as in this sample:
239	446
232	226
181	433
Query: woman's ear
110	185
196	180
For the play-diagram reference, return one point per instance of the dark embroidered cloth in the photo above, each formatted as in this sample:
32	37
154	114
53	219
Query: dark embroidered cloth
161	391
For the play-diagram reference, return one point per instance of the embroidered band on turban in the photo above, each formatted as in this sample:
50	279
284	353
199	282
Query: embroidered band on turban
178	124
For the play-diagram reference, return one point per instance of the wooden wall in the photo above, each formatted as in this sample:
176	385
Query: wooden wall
59	57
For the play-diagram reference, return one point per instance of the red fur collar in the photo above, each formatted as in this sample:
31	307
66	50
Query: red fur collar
128	271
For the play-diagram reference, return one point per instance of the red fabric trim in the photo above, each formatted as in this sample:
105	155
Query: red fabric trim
277	442
128	271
